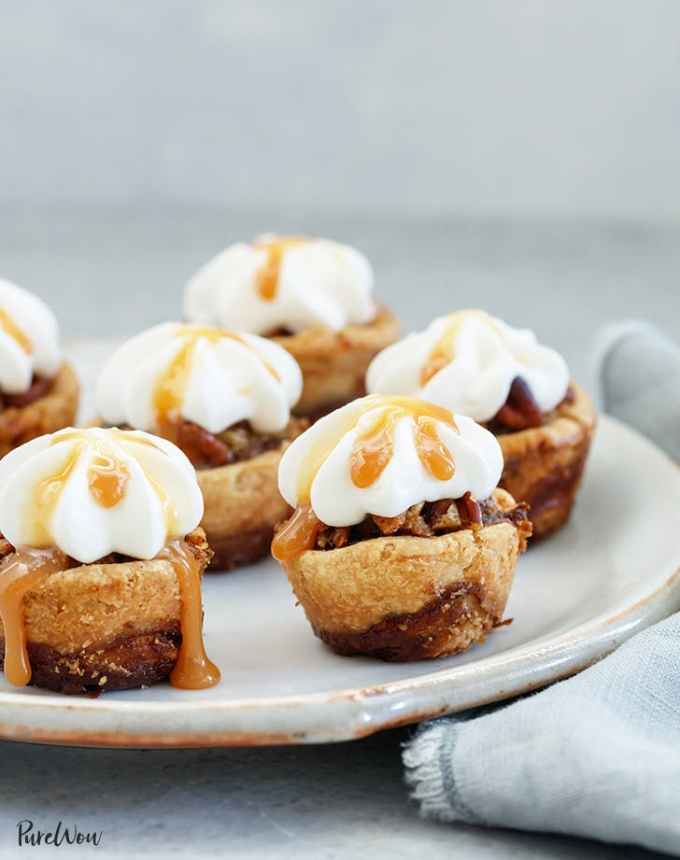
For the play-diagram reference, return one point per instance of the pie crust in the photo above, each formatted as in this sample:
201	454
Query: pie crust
106	626
410	598
544	465
334	364
56	410
242	506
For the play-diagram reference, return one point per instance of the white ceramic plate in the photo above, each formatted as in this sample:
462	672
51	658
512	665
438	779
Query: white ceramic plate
610	573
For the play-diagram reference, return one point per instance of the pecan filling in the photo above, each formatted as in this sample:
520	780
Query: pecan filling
40	386
237	443
426	519
520	411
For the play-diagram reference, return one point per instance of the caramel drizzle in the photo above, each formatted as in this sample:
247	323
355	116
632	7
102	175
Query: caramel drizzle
267	278
172	383
107	479
46	495
193	670
20	573
297	535
443	352
8	325
372	451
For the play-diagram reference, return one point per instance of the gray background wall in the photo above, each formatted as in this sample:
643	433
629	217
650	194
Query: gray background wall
385	106
521	156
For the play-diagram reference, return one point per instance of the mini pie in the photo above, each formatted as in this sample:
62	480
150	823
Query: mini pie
224	399
479	366
38	390
313	297
400	546
103	592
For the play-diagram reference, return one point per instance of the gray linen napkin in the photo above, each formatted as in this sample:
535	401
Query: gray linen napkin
597	755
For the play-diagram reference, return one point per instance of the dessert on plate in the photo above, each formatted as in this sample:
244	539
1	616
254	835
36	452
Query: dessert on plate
477	365
102	557
312	296
38	390
224	399
401	546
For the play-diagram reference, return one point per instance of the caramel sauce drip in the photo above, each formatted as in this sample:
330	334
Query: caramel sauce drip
171	385
20	573
193	670
443	351
107	479
46	495
373	449
297	535
8	325
267	279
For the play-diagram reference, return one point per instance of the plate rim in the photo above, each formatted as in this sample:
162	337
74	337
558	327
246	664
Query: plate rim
348	713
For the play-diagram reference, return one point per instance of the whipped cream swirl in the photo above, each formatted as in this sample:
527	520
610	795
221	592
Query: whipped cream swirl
282	283
209	376
29	339
467	362
93	492
380	455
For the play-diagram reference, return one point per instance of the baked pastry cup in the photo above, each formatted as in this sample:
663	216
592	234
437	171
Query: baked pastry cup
112	625
101	565
312	296
334	363
223	398
410	598
38	391
242	507
519	389
401	546
544	465
24	417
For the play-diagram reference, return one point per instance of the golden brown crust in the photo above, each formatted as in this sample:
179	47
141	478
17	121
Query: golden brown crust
410	598
544	465
54	411
334	364
242	506
103	619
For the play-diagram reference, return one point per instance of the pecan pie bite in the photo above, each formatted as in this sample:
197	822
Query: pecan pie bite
38	390
224	399
101	564
400	546
311	296
477	365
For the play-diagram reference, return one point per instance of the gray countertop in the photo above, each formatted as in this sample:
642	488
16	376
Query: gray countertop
111	272
335	801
